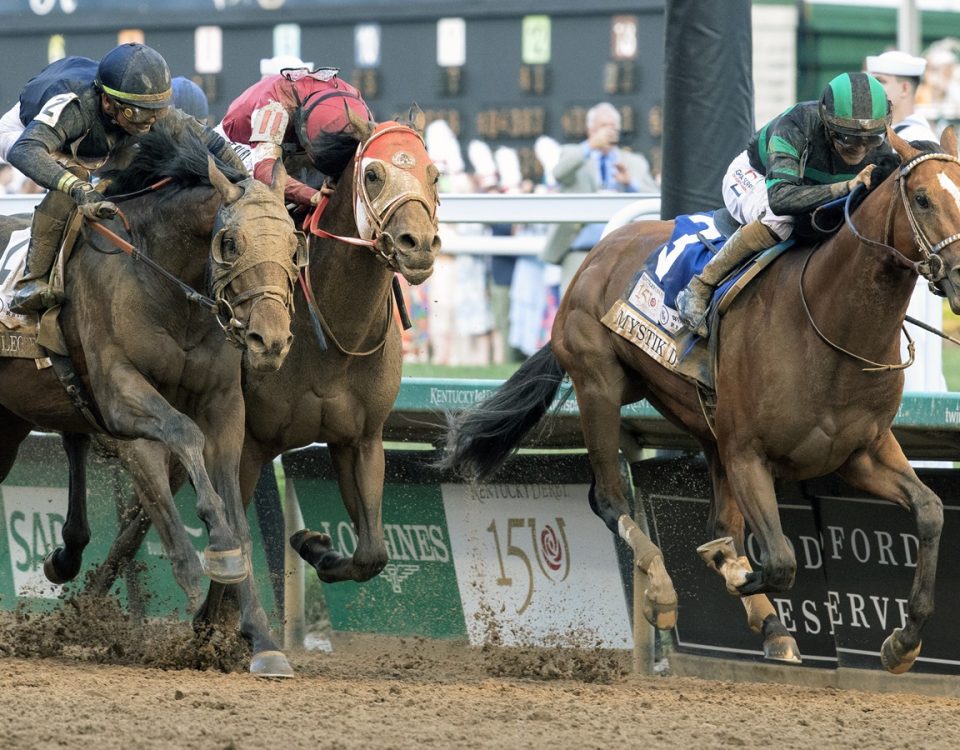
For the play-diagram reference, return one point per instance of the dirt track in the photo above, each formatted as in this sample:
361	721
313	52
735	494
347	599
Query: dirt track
409	693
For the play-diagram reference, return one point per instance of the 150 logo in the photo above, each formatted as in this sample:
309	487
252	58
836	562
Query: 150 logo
549	547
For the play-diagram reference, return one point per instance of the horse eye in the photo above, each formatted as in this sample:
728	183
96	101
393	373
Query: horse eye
229	246
922	200
371	175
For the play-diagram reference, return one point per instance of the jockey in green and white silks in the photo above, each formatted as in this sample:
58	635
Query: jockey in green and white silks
807	156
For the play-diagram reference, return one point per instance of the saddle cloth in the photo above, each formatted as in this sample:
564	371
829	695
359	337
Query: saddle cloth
18	333
646	314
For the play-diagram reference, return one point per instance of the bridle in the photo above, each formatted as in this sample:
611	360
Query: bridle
931	265
222	273
380	241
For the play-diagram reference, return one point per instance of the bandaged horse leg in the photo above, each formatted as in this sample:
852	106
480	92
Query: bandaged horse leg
659	598
720	555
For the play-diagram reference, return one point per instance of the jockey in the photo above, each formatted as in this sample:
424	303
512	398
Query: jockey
79	116
286	115
811	154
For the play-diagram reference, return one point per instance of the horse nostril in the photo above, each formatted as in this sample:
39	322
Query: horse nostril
435	244
406	242
255	341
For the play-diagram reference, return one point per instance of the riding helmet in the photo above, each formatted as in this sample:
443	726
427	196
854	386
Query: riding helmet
189	97
135	74
855	104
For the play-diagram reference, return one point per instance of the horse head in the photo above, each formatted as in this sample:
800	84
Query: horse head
253	266
929	186
395	197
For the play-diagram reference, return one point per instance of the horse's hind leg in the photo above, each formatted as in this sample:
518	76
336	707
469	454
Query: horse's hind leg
727	556
63	563
886	473
14	432
600	422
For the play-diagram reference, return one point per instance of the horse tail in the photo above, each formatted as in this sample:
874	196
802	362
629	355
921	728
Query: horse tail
481	438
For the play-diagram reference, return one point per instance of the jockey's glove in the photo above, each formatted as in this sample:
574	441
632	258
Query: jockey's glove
83	192
98	210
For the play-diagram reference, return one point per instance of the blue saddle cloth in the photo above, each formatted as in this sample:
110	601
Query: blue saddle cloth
684	255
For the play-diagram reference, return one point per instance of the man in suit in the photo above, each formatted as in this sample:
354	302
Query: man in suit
596	165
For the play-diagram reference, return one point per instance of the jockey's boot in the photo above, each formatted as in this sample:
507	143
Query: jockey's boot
32	292
693	301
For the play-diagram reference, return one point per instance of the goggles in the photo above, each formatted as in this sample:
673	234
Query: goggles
857	141
135	115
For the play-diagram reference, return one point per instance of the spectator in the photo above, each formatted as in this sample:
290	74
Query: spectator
900	75
597	164
938	96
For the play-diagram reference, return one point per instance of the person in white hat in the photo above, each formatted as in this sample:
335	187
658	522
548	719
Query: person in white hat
899	73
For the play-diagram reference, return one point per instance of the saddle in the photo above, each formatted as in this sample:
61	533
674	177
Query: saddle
645	314
38	336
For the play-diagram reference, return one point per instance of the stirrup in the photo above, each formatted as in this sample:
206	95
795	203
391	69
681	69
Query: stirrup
693	311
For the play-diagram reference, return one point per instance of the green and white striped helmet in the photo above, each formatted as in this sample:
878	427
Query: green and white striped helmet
855	104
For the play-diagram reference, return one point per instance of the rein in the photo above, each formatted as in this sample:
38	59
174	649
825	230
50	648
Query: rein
931	266
219	307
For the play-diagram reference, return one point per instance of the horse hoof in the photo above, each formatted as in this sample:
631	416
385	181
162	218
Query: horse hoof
50	570
225	566
311	545
662	615
782	648
716	552
894	659
270	664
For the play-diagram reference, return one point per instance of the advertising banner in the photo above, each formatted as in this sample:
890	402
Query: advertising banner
524	561
856	557
33	508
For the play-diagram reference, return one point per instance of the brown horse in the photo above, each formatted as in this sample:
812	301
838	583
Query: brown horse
380	220
153	362
792	401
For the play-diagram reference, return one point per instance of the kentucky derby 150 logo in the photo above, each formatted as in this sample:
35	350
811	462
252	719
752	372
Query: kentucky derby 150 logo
547	542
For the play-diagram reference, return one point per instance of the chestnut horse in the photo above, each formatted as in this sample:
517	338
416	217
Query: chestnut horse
379	220
153	362
801	389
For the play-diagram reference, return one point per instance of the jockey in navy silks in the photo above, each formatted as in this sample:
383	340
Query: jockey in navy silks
79	116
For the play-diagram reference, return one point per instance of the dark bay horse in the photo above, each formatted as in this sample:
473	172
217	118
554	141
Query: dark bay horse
154	363
380	221
790	403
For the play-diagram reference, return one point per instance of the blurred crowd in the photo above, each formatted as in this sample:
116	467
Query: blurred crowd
490	309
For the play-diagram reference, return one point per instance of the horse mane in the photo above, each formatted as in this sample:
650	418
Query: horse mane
332	152
168	151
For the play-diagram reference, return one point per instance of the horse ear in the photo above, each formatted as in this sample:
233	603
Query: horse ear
948	141
363	128
227	189
417	118
278	178
902	147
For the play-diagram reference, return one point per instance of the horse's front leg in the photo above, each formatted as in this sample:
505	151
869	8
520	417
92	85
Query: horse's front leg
727	556
155	481
751	484
600	423
884	471
63	563
132	407
223	463
359	468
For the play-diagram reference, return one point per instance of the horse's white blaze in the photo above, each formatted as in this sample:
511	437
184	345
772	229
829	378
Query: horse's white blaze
950	186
